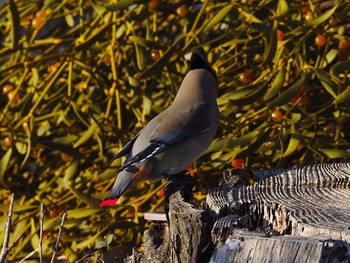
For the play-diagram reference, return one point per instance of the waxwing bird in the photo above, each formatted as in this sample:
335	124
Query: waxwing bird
176	137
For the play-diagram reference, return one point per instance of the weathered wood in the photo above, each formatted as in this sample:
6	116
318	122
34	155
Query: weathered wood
309	201
287	215
189	230
246	246
187	235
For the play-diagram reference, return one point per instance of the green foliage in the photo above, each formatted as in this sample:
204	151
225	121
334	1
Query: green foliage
80	78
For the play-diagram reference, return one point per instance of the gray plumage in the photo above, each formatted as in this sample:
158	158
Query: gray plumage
176	137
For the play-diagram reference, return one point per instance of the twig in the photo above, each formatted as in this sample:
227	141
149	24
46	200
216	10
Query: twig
28	256
53	258
5	248
43	211
15	242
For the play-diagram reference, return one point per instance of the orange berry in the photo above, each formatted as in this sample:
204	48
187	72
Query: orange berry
106	59
344	44
7	88
25	22
153	3
7	142
13	95
305	9
37	22
53	67
56	211
237	163
66	157
320	40
182	11
246	77
155	55
25	126
280	35
277	114
160	193
309	16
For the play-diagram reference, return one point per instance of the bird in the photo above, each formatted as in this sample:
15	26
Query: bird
176	137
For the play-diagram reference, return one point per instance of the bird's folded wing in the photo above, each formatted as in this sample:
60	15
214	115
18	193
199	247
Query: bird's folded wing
126	149
172	130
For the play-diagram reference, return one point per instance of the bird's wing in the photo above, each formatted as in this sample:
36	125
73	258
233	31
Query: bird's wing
170	131
126	149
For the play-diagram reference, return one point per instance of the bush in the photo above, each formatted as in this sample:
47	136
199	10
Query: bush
80	78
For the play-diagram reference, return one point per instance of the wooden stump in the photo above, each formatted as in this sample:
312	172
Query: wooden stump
287	215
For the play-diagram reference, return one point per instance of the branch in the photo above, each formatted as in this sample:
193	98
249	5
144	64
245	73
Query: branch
53	258
43	211
5	248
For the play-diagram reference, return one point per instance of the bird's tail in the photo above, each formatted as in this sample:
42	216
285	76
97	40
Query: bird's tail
122	182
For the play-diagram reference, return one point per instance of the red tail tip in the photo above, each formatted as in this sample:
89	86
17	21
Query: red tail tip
108	202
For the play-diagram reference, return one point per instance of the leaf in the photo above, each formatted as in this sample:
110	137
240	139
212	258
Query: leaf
244	140
271	46
82	212
217	18
343	97
3	165
121	4
236	94
293	142
69	18
336	153
323	17
110	239
87	135
331	55
85	198
15	24
146	43
276	85
289	93
251	97
218	144
98	8
256	143
35	77
282	8
21	147
69	173
35	237
141	57
326	81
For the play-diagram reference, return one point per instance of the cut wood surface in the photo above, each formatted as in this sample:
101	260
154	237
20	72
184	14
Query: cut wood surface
309	201
286	215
